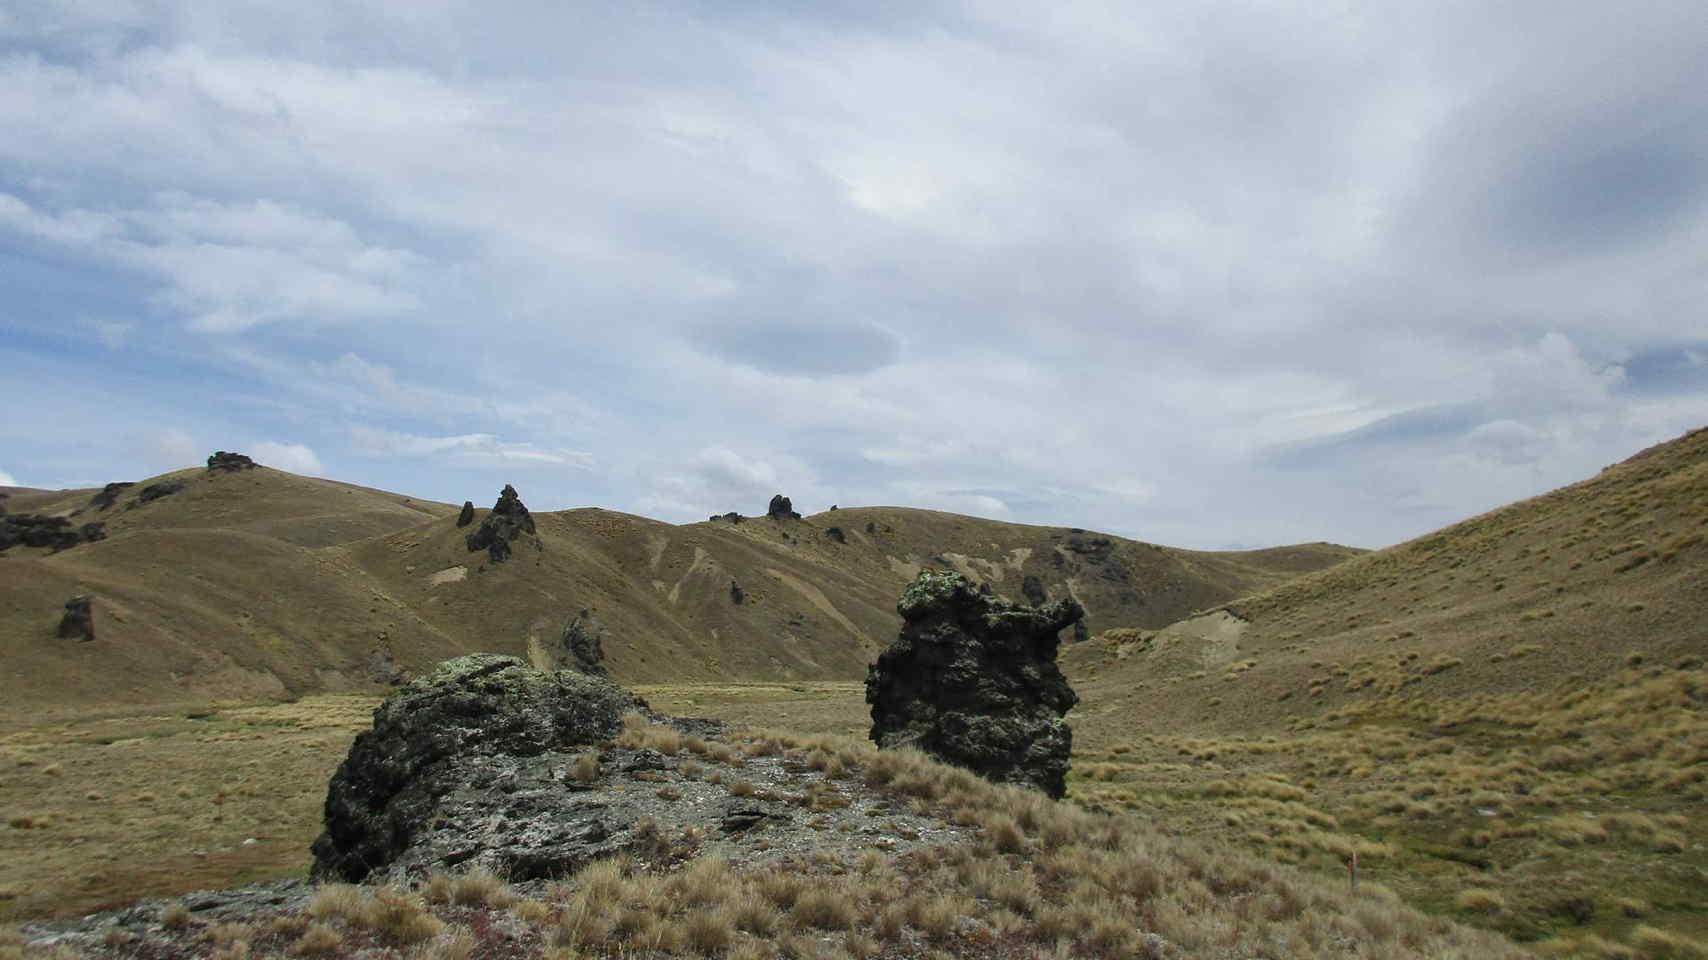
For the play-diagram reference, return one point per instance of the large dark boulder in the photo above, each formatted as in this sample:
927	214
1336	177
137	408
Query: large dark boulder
781	509
78	622
155	491
973	681
109	494
40	530
1032	588
508	520
581	648
466	517
459	767
222	462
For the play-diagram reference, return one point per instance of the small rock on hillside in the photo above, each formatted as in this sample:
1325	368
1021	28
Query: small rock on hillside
582	645
508	520
109	494
466	517
1033	590
78	623
223	462
973	681
781	508
155	491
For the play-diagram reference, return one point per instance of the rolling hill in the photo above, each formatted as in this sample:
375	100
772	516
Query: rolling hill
1505	720
263	584
1561	589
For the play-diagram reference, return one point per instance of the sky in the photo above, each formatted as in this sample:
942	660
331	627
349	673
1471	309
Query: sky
1205	275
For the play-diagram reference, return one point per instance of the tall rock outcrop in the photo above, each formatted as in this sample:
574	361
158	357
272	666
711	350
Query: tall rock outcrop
973	681
78	622
781	508
582	646
508	520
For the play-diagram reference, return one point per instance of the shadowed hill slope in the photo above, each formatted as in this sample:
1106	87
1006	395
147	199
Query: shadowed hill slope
263	583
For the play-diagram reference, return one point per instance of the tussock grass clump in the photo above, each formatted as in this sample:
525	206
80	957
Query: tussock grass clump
1481	901
319	940
175	916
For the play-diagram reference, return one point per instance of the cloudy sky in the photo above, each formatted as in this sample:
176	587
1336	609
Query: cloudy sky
1207	275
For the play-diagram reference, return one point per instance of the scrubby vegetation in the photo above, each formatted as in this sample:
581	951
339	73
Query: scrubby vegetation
1538	815
1040	877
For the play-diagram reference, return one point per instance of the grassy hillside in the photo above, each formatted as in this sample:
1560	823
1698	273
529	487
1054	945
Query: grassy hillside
1504	719
262	584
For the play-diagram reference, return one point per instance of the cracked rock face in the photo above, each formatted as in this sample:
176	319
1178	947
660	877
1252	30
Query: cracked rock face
508	520
487	762
454	740
973	681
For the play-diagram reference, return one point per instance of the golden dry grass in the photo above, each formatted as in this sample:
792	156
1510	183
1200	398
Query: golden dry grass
153	804
266	585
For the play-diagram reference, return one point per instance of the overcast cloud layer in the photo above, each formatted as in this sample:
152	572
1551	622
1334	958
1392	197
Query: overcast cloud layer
1200	276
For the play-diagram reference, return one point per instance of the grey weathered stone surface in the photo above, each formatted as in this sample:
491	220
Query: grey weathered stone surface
475	764
972	680
781	508
466	517
78	621
447	748
508	520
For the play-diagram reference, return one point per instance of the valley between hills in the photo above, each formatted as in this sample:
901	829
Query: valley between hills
1502	721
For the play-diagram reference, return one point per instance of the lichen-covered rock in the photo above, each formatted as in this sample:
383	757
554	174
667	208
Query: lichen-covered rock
466	517
444	748
78	622
222	462
508	520
973	680
781	509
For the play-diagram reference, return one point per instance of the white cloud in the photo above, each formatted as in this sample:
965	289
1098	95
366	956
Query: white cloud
7	480
171	449
289	457
230	267
1115	257
483	448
